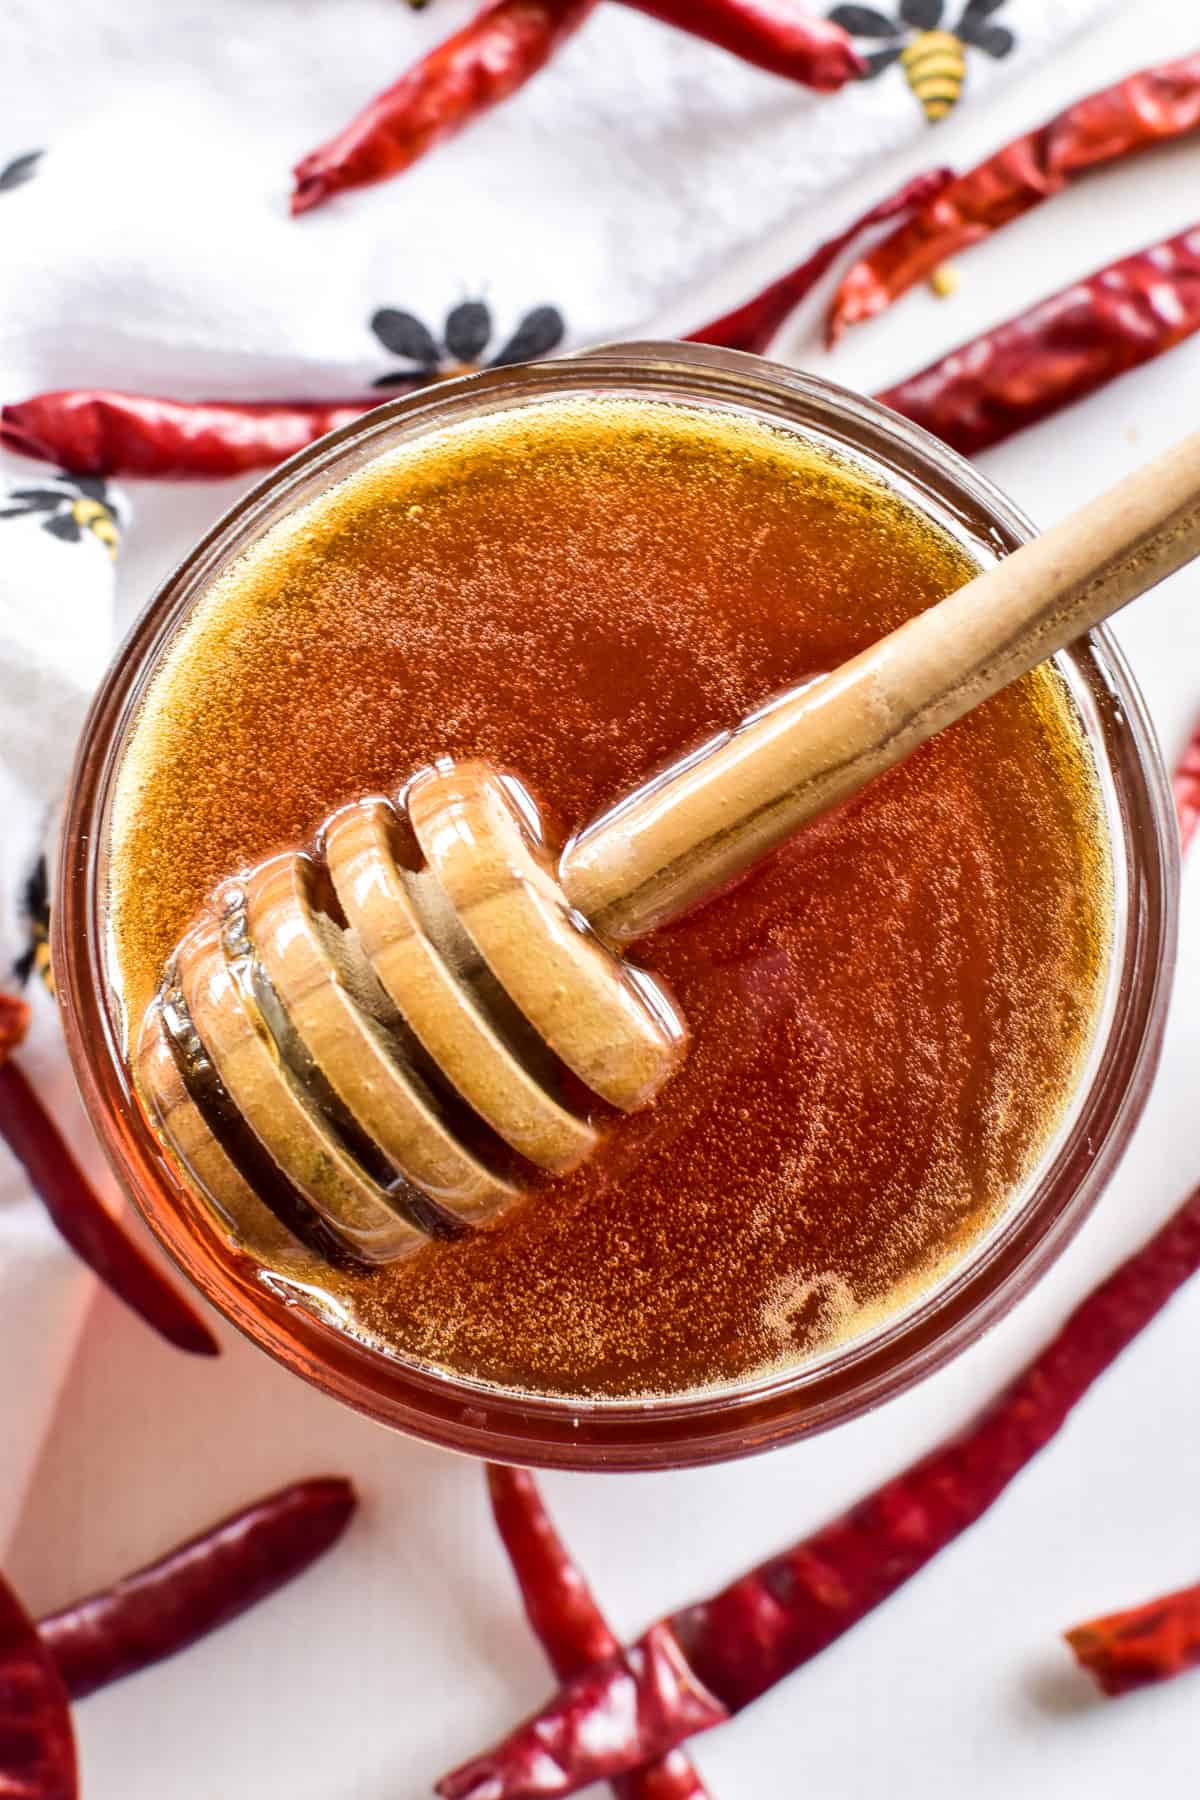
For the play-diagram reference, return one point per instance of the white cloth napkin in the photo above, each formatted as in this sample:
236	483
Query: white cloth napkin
154	248
56	634
151	249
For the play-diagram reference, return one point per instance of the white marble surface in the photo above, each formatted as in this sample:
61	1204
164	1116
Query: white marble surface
404	1652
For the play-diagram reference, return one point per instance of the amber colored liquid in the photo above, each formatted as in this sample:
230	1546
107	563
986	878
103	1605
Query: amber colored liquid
888	1017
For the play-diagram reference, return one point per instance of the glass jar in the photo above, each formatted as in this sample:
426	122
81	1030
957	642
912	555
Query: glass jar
752	1415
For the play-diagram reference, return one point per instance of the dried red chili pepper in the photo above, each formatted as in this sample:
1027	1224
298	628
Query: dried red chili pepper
775	35
724	1652
1148	108
37	1744
565	1618
1186	784
160	1610
1062	350
753	325
501	49
79	1214
1144	1645
90	431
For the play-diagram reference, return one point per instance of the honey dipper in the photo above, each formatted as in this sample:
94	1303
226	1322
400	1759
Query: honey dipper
346	1039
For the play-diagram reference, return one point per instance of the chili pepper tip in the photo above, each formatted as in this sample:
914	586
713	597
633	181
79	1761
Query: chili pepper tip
172	1316
192	1334
86	1224
310	191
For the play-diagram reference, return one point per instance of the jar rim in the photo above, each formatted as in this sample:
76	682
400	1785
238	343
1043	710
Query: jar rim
702	1425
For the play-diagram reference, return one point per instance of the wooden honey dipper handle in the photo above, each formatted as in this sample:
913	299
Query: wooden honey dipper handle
684	834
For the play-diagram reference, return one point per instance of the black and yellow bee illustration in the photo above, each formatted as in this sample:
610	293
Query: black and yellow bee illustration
932	55
35	907
73	505
463	344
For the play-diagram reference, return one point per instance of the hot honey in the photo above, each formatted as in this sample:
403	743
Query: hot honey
889	1017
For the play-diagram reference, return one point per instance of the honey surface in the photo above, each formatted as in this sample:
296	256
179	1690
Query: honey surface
888	1017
